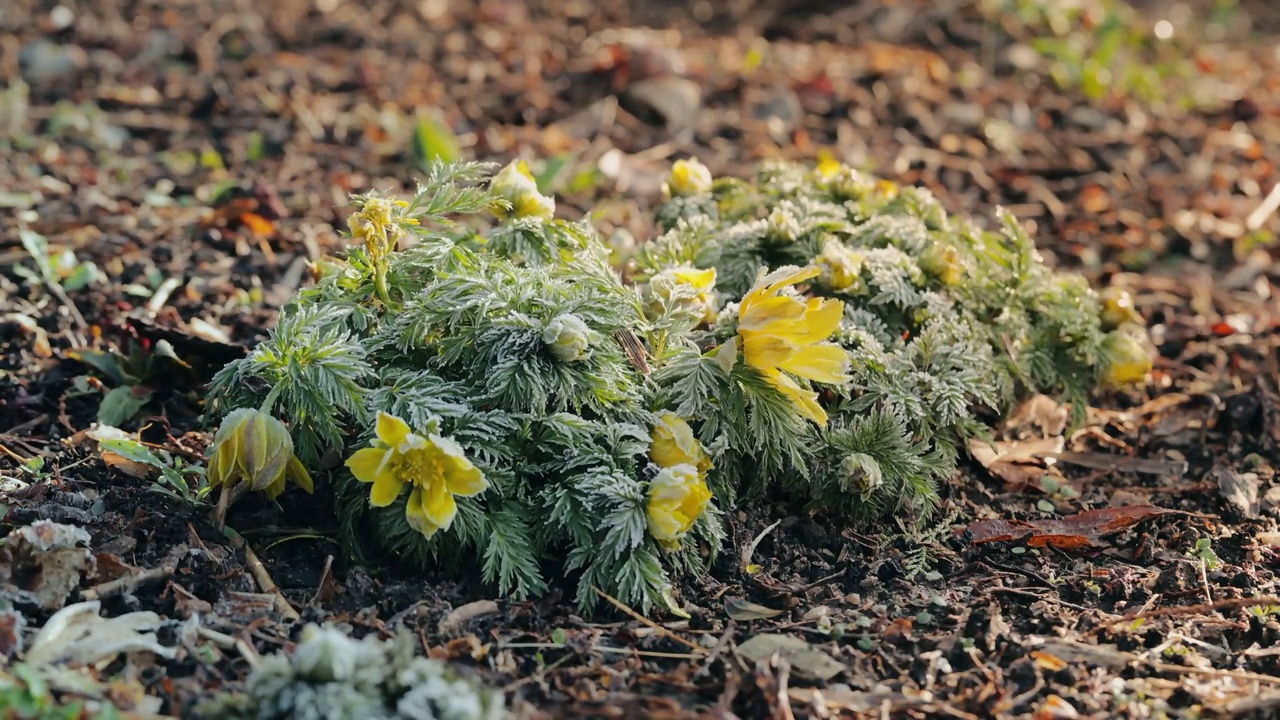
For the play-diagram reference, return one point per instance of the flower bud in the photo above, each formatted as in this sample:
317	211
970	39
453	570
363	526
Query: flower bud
1124	360
255	448
689	289
846	183
569	338
688	177
1118	308
677	497
841	267
943	262
782	226
515	184
861	473
674	444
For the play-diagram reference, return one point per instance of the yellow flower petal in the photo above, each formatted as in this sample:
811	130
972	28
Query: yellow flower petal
275	487
386	488
663	524
782	277
298	472
367	464
821	319
438	505
417	518
391	429
764	352
221	464
463	478
700	279
824	363
804	401
760	314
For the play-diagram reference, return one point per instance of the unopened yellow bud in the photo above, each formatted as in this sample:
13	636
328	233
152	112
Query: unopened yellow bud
1118	308
516	184
688	177
1124	360
253	447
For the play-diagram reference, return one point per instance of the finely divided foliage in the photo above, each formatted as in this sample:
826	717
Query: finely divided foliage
848	379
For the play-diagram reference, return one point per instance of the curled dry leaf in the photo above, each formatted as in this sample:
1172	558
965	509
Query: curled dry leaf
1018	463
805	659
1041	414
1055	708
745	610
1079	531
41	564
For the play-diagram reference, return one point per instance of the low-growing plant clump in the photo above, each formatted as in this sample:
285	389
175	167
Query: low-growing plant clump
498	396
330	675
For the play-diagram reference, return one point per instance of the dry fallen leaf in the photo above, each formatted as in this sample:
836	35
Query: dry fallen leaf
77	635
42	563
1055	708
1018	463
745	610
1240	490
1040	413
805	659
1082	530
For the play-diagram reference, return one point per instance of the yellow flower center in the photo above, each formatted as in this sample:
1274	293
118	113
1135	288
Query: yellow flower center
420	466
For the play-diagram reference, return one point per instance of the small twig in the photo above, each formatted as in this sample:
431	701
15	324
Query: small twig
227	642
1204	582
655	626
222	640
260	574
1268	206
718	649
509	687
1214	672
13	455
783	669
1046	598
1219	606
602	649
128	583
328	570
188	454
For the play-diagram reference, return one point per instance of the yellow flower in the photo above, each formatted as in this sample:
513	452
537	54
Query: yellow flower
888	188
377	224
703	282
841	267
828	165
782	334
1124	360
251	446
435	468
1118	308
674	444
516	184
677	497
688	177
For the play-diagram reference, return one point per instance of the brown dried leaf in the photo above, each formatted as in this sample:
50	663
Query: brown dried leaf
1018	463
745	610
805	660
1082	530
